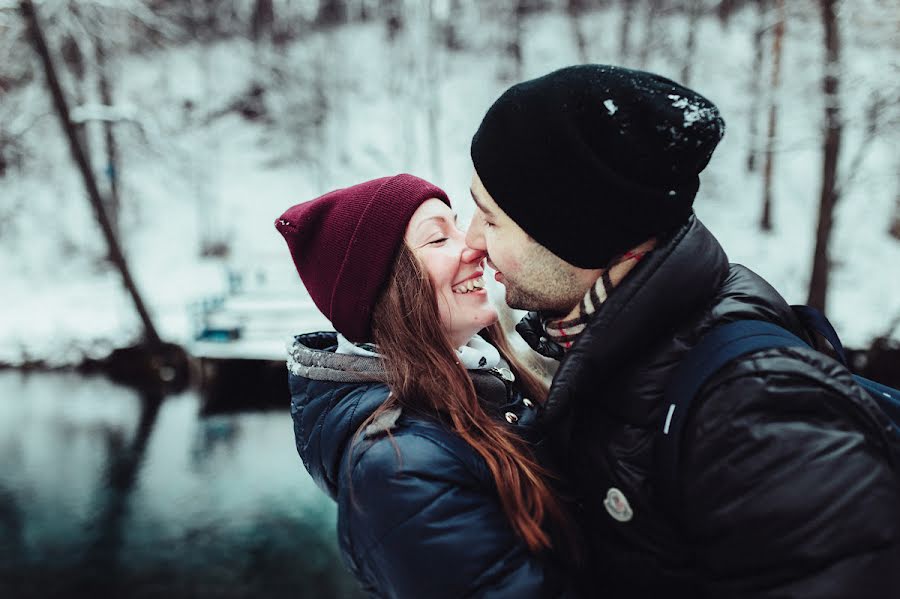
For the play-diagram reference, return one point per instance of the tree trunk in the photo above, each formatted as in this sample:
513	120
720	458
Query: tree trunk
625	35
575	8
262	22
695	9
112	204
450	30
651	31
756	83
394	21
74	58
62	110
433	91
894	229
727	8
331	12
777	38
895	226
818	286
514	43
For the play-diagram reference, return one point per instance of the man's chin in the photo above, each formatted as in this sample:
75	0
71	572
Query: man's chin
519	301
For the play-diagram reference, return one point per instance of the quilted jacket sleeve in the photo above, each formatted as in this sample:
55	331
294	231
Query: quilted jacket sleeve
789	490
417	521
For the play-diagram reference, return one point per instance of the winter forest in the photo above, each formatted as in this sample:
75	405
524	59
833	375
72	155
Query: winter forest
200	121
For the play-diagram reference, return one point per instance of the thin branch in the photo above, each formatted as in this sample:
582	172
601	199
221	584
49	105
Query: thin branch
875	108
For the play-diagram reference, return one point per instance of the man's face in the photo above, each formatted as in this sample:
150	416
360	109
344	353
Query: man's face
534	277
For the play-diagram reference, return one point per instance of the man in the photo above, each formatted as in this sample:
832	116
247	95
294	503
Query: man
788	484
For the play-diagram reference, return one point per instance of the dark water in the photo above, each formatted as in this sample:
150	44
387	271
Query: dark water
104	492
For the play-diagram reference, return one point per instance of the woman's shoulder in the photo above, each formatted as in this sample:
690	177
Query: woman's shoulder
399	444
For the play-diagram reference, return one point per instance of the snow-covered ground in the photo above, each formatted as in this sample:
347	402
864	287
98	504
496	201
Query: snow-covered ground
187	172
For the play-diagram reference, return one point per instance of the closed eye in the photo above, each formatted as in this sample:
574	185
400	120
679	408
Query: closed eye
437	241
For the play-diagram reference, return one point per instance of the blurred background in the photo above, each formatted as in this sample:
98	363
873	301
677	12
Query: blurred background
147	146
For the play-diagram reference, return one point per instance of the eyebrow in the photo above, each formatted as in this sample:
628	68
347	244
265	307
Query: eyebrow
481	206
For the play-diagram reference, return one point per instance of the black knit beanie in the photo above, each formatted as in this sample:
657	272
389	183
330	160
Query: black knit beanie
591	160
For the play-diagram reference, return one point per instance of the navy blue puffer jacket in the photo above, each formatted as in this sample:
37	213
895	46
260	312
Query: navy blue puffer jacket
418	513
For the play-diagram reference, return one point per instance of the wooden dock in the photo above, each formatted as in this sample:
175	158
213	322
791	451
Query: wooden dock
241	337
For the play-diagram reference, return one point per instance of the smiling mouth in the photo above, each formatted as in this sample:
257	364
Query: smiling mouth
470	285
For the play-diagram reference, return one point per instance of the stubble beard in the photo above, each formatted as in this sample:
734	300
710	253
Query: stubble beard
519	298
543	282
552	289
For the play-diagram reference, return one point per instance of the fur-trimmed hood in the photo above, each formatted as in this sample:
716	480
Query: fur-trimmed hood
331	395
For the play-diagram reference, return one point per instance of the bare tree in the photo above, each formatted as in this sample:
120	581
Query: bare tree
74	57
695	10
831	146
262	22
726	9
652	12
514	41
331	12
625	31
393	14
91	34
876	108
14	73
432	91
756	87
575	8
449	27
113	161
40	45
895	225
775	83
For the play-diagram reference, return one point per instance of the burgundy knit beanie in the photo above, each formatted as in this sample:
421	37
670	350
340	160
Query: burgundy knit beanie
344	244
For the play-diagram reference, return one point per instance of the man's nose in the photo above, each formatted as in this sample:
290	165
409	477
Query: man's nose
471	255
474	236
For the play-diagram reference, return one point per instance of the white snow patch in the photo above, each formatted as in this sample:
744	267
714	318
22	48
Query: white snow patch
610	106
692	112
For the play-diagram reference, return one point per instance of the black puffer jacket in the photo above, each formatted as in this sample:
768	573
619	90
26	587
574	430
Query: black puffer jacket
418	512
789	485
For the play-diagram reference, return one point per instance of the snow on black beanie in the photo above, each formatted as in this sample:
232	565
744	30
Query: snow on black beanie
592	160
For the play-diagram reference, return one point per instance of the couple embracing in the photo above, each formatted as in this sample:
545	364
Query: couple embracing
458	473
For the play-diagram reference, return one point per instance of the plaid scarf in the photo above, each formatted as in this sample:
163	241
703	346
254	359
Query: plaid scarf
565	331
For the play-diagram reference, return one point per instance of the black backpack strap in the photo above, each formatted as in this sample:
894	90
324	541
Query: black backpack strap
718	347
814	320
887	398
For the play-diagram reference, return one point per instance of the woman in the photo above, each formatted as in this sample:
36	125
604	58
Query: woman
412	422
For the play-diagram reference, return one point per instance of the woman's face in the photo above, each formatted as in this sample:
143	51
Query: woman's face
455	270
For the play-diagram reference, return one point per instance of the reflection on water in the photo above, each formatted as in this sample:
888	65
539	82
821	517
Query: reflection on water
107	492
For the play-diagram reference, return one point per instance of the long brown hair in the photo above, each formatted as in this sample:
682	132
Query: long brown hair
425	377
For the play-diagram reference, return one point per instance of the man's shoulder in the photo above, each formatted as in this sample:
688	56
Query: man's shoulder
782	369
783	388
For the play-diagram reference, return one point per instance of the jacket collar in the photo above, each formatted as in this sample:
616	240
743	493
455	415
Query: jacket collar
312	356
673	282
